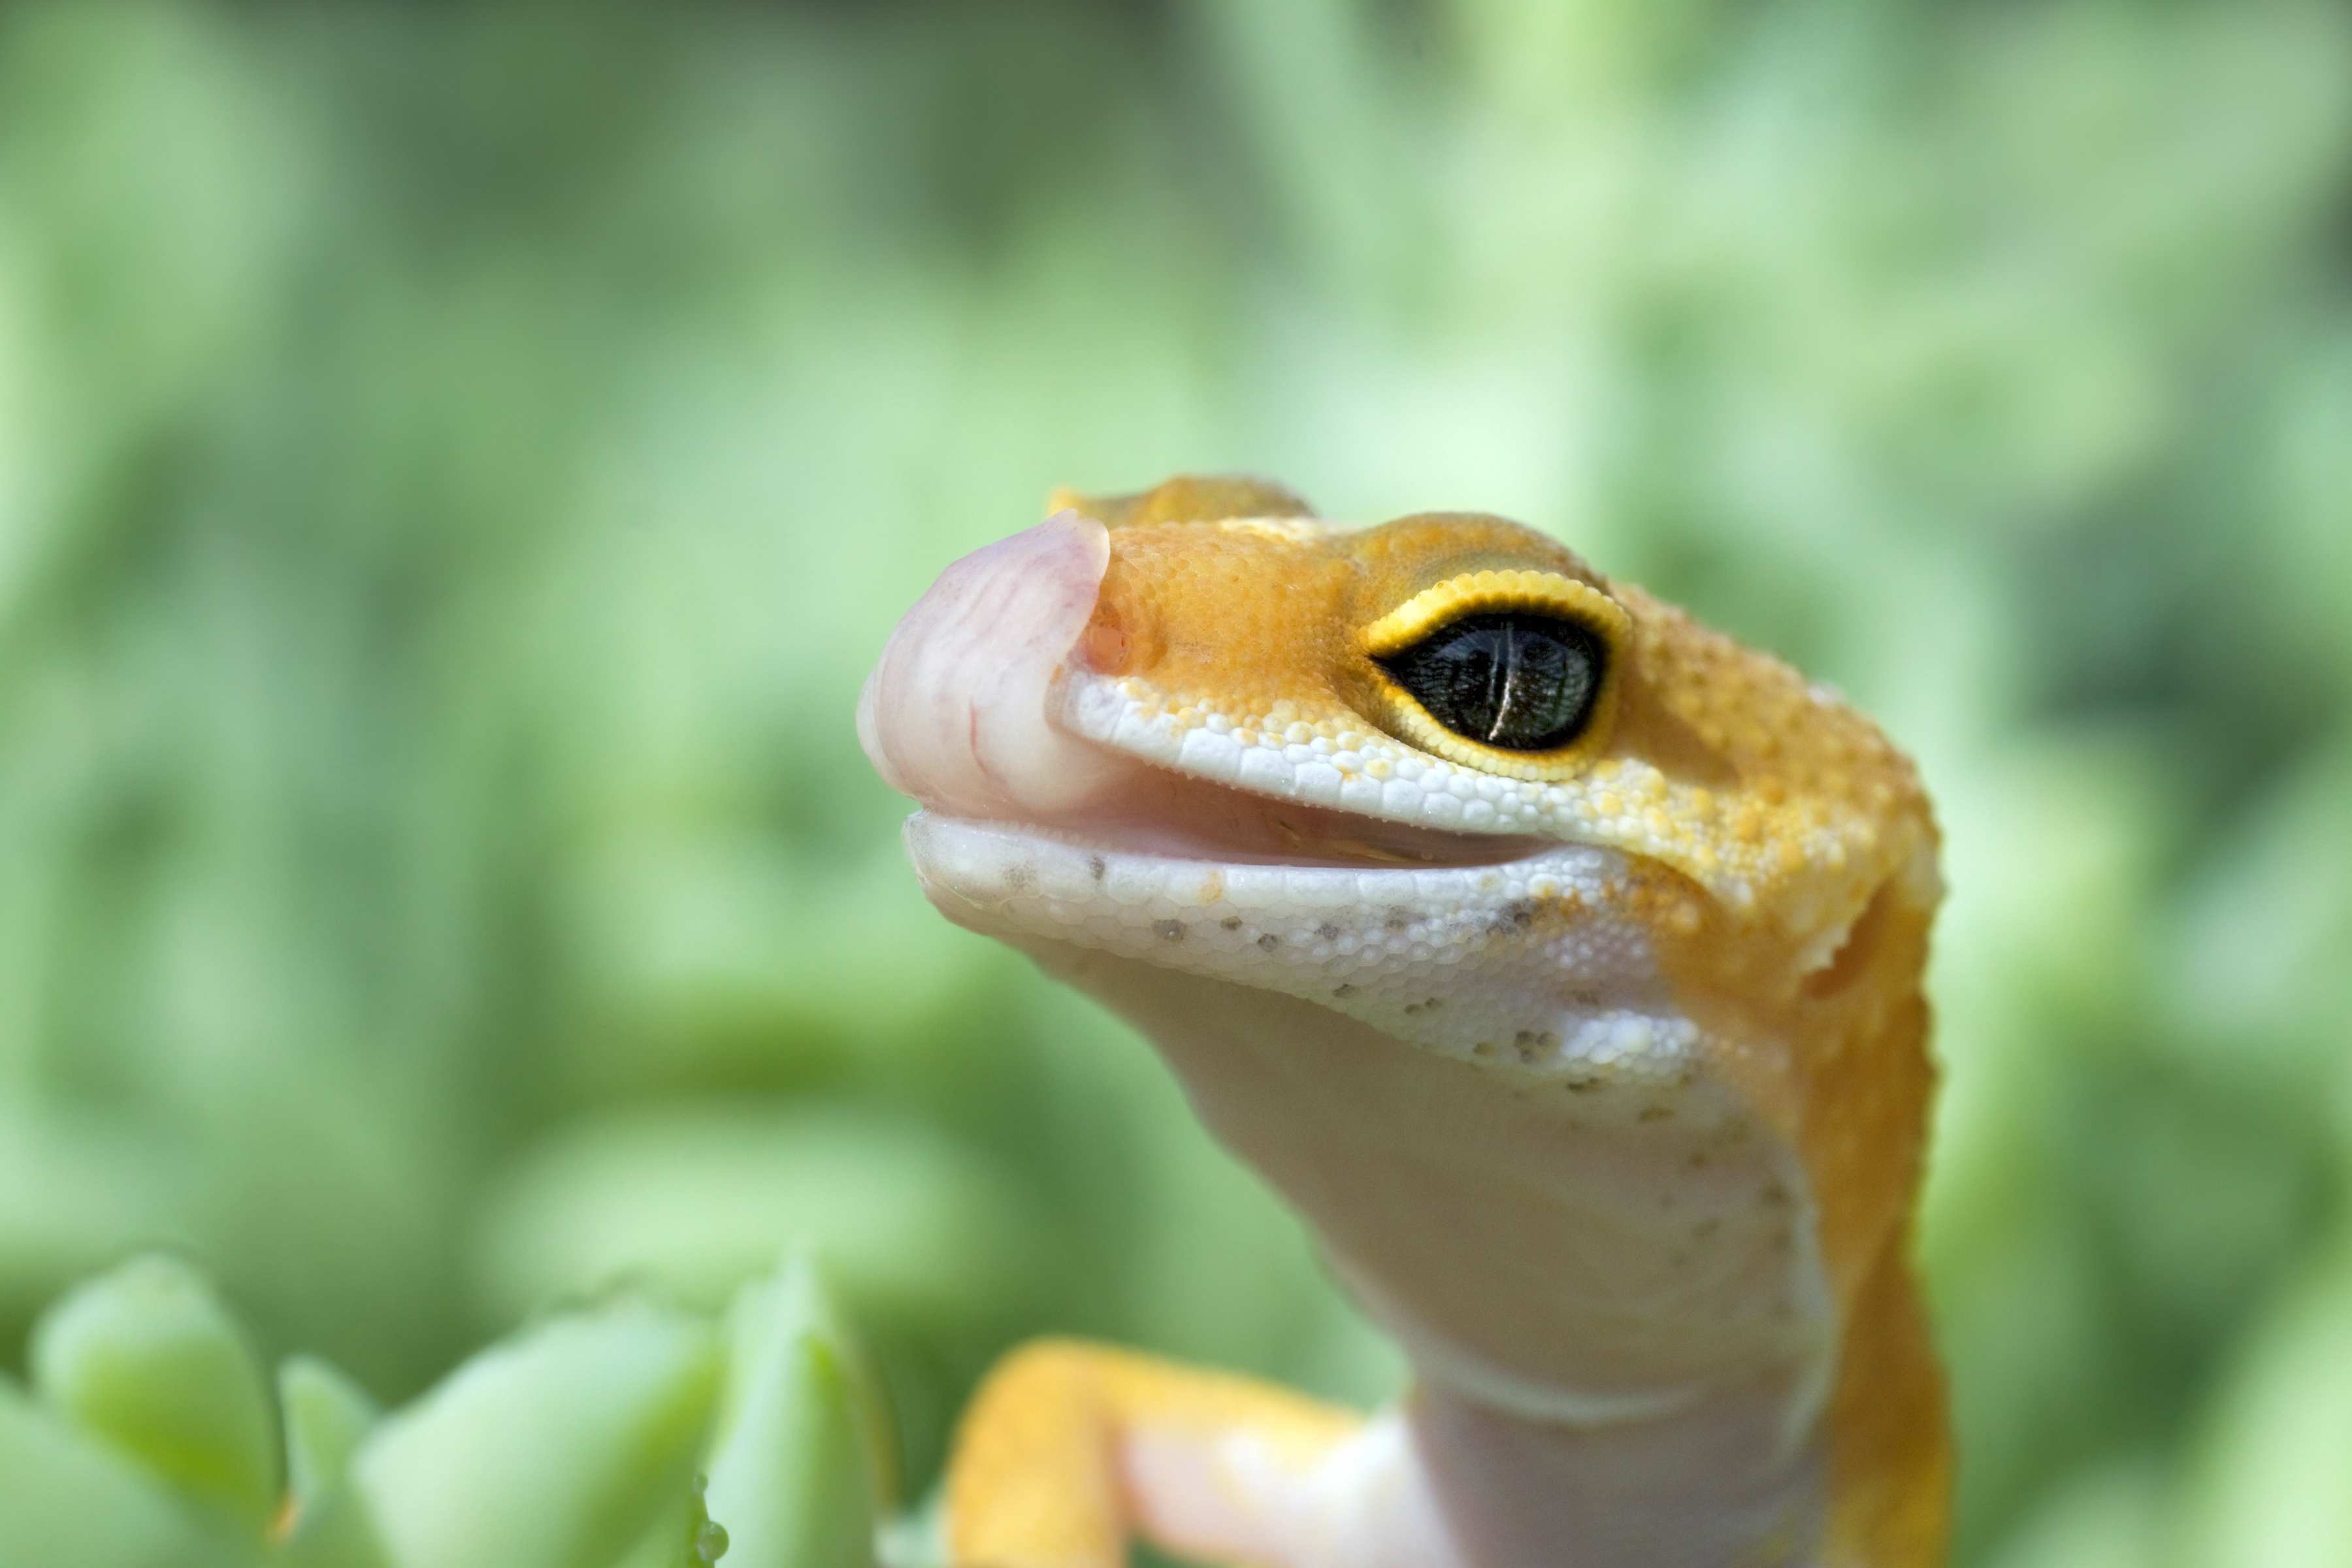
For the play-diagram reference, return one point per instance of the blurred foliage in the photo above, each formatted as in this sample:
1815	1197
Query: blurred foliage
151	1439
455	467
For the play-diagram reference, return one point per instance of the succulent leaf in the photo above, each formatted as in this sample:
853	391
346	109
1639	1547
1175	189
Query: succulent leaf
148	1359
794	1471
547	1451
68	1501
327	1417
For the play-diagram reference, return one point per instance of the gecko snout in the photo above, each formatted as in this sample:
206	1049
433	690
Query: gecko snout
957	711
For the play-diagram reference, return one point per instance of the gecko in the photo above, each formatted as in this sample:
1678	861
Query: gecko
1556	958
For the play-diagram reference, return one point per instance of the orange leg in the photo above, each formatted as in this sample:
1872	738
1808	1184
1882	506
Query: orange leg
1070	1449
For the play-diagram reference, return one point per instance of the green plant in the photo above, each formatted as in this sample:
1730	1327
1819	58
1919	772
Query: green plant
620	1435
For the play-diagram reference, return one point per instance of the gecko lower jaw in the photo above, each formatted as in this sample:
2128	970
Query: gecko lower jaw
993	866
1300	886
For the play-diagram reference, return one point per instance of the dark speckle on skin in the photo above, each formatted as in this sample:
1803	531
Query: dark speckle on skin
1516	915
1097	867
1269	941
1019	879
1328	932
1230	922
1656	1112
1168	930
1343	989
1583	1085
1399	918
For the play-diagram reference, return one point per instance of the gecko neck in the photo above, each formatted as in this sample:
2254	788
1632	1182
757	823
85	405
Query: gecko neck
1615	1320
1716	1484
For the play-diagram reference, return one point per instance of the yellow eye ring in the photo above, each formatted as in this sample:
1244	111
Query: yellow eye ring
1599	622
1539	593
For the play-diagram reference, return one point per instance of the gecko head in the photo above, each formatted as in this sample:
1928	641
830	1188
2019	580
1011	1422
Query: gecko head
1202	729
1557	956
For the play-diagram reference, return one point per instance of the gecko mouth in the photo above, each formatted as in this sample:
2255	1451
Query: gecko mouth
1164	815
1159	850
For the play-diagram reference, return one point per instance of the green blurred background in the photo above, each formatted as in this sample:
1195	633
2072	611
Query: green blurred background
456	467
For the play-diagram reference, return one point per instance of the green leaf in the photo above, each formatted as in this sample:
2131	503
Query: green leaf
547	1451
793	1475
327	1416
683	1536
149	1360
66	1502
334	1531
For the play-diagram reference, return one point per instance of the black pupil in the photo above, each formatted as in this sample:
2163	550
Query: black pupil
1517	681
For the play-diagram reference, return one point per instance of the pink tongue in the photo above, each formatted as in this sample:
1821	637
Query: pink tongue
955	712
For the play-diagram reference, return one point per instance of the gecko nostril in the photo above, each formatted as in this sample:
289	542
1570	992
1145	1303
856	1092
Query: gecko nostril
1106	645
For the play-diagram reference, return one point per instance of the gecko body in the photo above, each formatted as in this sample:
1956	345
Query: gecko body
1557	959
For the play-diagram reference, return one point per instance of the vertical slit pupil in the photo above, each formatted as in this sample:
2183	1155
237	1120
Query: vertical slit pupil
1506	678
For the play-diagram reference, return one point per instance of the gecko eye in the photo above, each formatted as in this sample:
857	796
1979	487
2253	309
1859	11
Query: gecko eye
1513	672
1517	681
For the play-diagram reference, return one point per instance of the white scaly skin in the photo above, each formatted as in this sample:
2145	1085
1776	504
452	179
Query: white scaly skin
1452	1016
